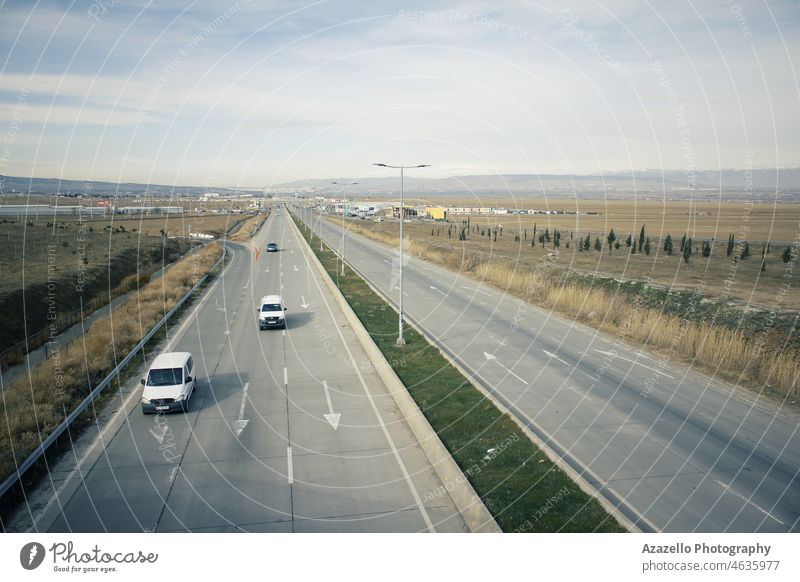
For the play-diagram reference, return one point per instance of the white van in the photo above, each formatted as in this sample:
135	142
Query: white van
169	383
270	312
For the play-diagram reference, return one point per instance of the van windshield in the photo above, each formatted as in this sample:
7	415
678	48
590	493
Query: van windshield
165	377
271	307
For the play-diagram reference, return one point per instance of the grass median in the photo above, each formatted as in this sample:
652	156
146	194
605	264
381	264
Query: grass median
517	482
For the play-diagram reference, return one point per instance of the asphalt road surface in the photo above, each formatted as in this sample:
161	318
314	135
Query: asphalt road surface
287	431
675	450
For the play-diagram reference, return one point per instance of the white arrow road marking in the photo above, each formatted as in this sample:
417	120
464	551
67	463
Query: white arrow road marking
304	305
289	472
438	290
553	356
240	423
633	362
491	357
332	418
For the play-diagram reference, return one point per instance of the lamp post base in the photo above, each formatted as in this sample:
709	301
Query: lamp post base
400	342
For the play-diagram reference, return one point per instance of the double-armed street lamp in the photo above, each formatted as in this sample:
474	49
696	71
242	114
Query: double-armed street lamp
345	184
400	340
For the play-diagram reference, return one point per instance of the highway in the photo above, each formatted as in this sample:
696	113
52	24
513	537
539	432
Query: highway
288	431
673	449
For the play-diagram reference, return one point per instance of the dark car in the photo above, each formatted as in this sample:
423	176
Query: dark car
272	247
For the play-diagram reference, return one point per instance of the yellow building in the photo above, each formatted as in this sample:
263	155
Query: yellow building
436	213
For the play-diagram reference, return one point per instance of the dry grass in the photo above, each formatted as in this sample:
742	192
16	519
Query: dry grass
32	406
736	354
249	228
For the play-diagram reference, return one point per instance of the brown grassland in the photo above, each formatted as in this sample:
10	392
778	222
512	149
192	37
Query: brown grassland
34	405
722	314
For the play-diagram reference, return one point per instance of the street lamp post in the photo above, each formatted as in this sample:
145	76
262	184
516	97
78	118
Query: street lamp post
400	340
345	184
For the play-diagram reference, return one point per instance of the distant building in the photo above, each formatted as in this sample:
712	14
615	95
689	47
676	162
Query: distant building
148	210
49	211
436	213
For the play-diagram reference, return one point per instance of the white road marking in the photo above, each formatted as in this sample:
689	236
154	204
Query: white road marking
729	489
552	355
173	473
492	357
633	362
240	423
289	472
331	417
438	290
285	376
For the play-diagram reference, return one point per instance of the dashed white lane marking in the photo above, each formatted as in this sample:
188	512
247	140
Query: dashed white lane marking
289	472
285	376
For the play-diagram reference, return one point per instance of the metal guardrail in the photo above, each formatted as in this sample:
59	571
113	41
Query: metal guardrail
59	430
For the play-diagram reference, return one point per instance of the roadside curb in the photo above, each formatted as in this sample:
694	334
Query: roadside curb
468	503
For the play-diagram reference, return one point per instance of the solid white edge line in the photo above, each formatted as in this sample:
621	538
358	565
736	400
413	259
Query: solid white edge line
395	452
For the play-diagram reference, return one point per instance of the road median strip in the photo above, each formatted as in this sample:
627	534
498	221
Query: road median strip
523	490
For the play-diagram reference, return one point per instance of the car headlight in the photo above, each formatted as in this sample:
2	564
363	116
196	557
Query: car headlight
145	400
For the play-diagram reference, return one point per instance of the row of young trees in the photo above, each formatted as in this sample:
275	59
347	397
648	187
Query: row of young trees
642	244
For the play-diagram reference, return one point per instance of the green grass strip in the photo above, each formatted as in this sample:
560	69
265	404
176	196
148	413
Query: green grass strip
517	482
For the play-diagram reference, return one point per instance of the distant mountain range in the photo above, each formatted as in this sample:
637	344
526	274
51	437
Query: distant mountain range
761	183
706	183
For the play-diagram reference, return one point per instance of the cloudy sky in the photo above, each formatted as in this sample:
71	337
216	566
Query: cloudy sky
257	93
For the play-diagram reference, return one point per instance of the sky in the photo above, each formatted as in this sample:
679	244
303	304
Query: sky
251	94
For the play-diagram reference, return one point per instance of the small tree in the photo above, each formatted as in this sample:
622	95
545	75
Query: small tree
628	240
706	248
598	246
611	238
682	247
746	250
641	239
616	244
668	245
787	254
687	250
633	247
587	242
647	246
731	243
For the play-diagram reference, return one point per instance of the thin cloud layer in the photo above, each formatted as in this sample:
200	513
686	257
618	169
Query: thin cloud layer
251	93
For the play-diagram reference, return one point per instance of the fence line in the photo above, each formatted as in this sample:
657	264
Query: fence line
58	431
